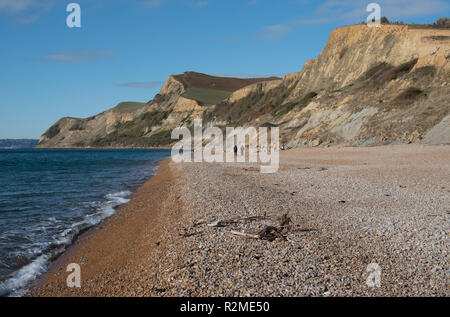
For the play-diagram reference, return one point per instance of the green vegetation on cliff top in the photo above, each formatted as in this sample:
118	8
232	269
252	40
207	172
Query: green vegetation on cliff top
129	106
207	96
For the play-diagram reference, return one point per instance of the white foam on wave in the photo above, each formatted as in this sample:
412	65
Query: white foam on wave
108	208
119	198
16	284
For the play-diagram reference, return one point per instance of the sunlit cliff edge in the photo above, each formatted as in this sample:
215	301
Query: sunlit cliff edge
369	86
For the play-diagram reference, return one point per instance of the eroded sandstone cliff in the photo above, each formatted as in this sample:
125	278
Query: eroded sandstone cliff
368	86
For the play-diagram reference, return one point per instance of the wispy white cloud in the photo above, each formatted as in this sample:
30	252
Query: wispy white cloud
81	55
274	32
156	4
354	11
231	40
25	11
152	4
200	4
26	19
146	85
253	2
15	6
393	9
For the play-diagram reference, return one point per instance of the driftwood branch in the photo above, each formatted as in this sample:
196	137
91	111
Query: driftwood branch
269	233
245	235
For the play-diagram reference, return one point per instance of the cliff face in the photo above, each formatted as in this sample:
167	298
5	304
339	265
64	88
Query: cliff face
374	86
125	126
172	87
182	99
352	51
74	132
368	86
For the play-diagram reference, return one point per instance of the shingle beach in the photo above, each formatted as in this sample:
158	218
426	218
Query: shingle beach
195	229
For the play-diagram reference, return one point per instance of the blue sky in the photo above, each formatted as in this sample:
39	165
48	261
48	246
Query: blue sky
125	49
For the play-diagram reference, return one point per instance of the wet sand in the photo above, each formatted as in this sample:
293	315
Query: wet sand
115	257
350	207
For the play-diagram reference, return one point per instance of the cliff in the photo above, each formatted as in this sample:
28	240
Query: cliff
132	124
368	86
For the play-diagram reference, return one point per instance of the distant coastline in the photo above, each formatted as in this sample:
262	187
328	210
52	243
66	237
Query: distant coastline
106	148
13	144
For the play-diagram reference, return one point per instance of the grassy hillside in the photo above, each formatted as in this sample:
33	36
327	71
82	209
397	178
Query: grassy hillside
211	90
127	107
257	104
198	80
206	96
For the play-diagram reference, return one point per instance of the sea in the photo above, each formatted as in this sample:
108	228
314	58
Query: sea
49	197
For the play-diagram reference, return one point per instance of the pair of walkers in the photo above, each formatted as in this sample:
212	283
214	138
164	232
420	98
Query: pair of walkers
236	150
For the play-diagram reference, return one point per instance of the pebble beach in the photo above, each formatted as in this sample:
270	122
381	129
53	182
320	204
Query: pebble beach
194	229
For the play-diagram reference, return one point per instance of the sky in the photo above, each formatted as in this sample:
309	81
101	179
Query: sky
125	49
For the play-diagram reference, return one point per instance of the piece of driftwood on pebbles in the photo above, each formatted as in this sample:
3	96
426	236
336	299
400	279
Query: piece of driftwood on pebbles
245	235
269	233
217	224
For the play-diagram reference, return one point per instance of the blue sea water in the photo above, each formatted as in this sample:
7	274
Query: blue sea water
47	197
